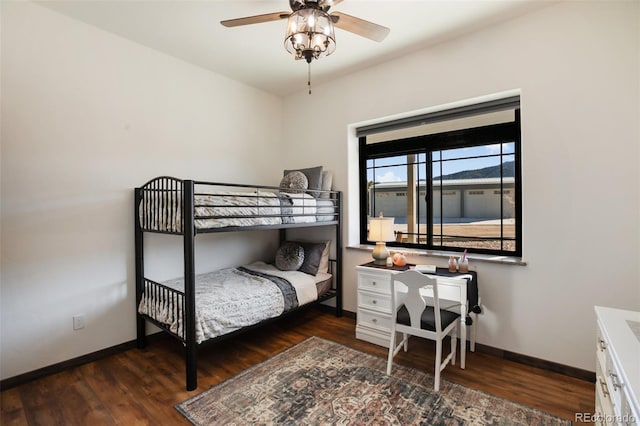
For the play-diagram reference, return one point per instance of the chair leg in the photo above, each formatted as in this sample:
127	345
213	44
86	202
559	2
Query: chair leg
405	336
392	347
436	379
462	332
454	343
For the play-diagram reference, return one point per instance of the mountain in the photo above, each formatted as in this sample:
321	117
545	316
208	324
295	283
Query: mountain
508	170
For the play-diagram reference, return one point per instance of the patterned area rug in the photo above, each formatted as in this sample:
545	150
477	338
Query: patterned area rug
318	382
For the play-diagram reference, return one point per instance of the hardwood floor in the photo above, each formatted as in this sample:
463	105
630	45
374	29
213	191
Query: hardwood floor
140	387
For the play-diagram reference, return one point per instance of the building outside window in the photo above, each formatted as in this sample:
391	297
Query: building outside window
456	177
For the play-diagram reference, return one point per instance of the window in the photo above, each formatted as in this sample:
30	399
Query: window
456	176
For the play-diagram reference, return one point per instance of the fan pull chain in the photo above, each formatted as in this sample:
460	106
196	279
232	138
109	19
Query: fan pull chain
309	77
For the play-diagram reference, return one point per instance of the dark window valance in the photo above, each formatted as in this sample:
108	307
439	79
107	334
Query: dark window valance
512	102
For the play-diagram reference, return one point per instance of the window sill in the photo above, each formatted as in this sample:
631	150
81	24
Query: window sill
505	260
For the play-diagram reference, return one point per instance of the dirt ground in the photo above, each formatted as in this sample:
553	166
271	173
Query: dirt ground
456	235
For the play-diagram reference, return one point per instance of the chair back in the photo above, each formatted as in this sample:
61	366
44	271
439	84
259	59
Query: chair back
413	307
413	300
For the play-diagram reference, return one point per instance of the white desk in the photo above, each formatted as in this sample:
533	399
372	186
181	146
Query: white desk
375	312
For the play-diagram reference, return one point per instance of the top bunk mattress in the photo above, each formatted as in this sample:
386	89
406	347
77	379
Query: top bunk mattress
162	210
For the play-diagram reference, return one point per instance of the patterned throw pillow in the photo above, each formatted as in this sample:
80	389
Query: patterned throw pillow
314	179
289	257
295	182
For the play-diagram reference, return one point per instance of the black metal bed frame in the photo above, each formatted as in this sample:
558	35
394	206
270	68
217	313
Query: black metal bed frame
166	194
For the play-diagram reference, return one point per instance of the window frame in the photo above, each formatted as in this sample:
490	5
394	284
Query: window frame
427	144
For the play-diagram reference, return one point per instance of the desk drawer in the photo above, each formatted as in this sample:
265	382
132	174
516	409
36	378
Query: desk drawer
604	408
614	384
374	319
375	301
376	283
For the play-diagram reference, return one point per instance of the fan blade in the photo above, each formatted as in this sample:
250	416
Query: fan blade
257	19
359	26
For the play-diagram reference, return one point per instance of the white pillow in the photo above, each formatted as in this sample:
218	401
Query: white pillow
327	181
324	260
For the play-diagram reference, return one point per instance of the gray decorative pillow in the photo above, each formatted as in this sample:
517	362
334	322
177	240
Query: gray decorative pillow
312	257
314	179
294	182
289	257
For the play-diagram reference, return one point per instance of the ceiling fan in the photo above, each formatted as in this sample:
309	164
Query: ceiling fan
309	33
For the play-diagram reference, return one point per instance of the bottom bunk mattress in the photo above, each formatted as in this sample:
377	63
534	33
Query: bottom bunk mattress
232	298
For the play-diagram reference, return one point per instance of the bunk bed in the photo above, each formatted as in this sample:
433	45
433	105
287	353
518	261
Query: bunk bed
188	208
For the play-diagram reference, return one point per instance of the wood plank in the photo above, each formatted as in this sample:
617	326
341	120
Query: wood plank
12	411
142	386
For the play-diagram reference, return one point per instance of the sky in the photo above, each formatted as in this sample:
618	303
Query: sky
452	161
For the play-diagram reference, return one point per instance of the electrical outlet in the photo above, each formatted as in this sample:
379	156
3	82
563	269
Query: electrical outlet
78	322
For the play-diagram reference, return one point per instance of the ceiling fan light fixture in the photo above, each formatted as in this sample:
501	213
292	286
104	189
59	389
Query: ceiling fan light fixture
310	34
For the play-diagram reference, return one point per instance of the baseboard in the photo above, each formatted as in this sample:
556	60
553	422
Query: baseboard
329	308
530	361
71	363
566	370
75	362
21	379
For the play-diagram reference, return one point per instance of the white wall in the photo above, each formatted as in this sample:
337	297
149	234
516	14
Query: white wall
577	66
86	117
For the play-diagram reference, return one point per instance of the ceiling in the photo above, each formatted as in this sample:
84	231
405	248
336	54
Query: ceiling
255	54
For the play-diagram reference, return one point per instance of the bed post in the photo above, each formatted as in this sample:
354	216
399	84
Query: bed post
189	286
141	336
339	257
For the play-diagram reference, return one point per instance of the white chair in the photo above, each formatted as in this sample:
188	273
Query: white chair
413	316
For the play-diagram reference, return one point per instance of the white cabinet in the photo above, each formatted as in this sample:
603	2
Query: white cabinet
617	366
374	305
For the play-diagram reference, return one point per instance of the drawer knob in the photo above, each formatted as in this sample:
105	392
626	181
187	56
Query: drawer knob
603	345
374	301
373	283
374	320
614	379
605	391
